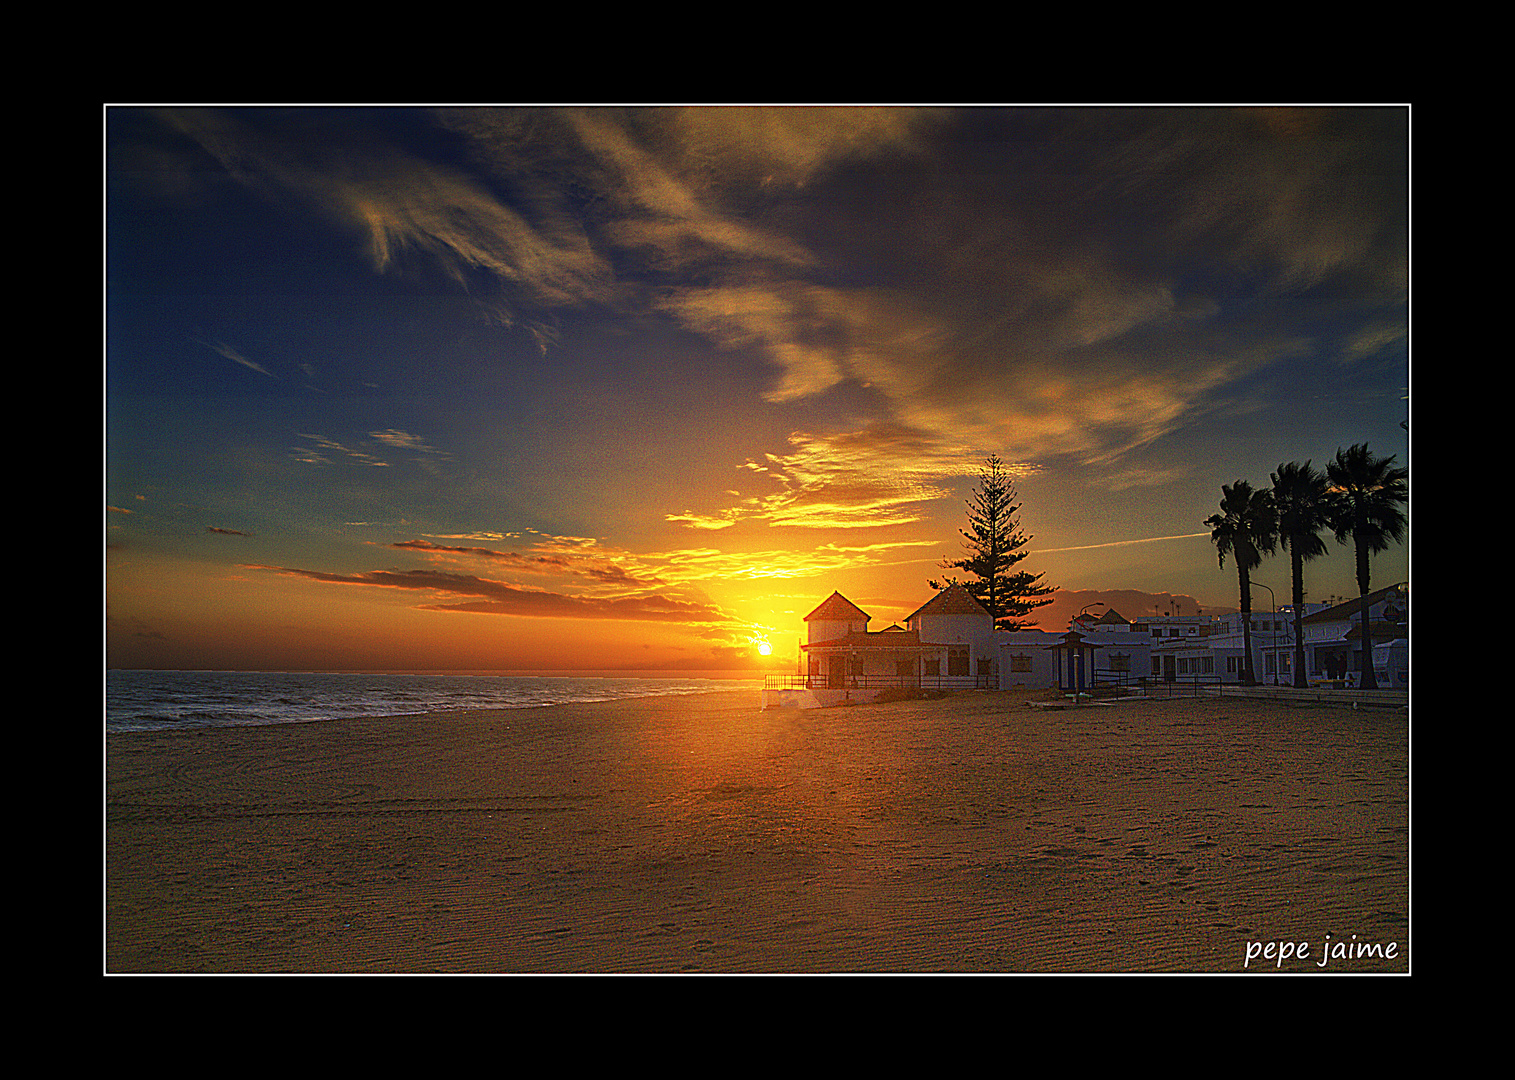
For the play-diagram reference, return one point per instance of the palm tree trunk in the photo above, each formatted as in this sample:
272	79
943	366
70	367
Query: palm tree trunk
1300	679
1300	682
1369	680
1248	677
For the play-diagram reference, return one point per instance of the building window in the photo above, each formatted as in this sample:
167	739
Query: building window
1020	662
1207	665
1231	665
957	661
1120	662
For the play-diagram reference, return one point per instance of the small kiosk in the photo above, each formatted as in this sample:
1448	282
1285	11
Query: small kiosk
1074	658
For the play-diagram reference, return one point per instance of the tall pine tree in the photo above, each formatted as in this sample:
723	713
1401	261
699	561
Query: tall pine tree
994	548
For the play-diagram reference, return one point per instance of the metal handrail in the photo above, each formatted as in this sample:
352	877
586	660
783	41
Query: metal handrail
881	682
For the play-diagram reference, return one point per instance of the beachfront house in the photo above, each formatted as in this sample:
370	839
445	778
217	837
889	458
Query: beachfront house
842	654
956	620
947	643
1333	635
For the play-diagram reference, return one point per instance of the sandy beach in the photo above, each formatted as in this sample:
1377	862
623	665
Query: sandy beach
973	834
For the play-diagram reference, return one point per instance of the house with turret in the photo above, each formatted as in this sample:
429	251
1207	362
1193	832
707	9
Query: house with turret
946	643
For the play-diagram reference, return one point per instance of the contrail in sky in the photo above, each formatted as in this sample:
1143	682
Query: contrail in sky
1121	543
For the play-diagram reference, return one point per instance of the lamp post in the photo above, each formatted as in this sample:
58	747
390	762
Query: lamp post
1272	633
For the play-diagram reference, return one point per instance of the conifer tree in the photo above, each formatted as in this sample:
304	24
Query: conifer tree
994	548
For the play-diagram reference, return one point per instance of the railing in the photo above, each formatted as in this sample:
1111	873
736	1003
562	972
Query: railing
1181	685
881	682
1152	686
1323	695
1212	685
1111	677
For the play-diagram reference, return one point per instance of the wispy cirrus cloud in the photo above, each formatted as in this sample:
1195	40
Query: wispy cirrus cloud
486	596
882	474
237	358
710	564
404	206
403	440
621	572
1044	283
989	309
325	451
550	563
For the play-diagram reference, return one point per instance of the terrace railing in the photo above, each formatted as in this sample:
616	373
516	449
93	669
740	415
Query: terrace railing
881	682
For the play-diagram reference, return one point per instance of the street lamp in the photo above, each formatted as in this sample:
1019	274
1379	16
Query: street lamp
1272	633
1085	608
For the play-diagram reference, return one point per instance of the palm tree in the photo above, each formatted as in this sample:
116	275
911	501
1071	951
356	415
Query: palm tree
1305	507
1247	528
1369	492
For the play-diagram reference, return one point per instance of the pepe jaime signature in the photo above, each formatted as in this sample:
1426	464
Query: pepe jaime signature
1279	951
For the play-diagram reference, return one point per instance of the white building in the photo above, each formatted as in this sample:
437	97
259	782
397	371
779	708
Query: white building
955	619
950	642
1333	636
947	643
1122	651
1272	645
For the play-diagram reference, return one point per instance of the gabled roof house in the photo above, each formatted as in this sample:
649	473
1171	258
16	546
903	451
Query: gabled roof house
948	642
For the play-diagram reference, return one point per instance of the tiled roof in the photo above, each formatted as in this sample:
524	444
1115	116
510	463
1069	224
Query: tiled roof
953	600
1353	608
883	639
837	608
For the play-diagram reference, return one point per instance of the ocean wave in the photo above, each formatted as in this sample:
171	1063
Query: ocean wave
177	700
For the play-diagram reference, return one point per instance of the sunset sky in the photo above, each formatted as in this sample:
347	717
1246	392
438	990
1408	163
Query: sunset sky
636	389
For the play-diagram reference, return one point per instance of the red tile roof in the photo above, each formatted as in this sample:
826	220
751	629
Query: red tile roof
953	600
837	608
883	639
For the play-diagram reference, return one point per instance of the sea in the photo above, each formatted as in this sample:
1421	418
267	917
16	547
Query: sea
180	700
